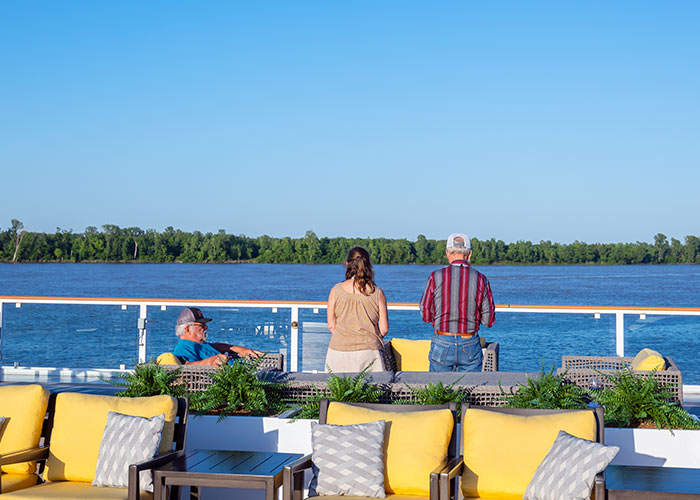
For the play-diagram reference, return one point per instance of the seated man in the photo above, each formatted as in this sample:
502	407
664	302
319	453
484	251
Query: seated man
192	347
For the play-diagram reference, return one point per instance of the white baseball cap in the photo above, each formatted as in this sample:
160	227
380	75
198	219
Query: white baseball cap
464	245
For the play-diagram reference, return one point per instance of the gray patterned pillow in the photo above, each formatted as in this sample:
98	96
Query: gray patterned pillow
348	459
568	471
127	440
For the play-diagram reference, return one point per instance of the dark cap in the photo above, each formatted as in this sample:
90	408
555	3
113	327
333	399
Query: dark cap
191	315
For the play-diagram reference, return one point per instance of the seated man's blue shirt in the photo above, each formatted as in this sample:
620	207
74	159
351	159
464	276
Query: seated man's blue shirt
189	350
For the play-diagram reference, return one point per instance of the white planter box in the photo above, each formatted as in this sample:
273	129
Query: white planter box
655	447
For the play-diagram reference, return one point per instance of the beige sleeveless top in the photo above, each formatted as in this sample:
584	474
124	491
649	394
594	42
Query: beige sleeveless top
357	321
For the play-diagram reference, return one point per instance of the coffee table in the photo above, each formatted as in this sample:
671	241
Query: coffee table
223	469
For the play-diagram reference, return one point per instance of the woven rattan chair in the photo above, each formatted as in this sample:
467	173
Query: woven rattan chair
490	351
293	475
589	371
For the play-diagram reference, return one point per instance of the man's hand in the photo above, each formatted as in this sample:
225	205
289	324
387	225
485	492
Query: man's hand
245	352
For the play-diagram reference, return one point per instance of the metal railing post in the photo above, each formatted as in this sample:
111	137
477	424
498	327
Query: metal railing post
620	333
143	314
294	341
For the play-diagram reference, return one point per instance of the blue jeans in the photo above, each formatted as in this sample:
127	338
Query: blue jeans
455	354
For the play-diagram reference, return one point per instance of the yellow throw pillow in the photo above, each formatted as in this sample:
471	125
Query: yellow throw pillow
168	358
411	355
24	409
415	444
79	424
648	359
502	452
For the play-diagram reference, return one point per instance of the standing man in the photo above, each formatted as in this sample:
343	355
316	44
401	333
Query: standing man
192	347
457	298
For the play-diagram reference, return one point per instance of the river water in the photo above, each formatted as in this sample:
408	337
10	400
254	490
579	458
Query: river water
106	336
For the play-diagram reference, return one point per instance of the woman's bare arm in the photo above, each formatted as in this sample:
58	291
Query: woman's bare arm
383	314
331	310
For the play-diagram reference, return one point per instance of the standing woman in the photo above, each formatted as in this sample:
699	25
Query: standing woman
357	318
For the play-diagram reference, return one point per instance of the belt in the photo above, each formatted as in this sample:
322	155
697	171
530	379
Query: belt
464	335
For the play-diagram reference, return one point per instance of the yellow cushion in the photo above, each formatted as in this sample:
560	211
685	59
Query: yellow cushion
648	359
73	490
502	452
168	358
415	444
79	424
411	355
24	407
13	482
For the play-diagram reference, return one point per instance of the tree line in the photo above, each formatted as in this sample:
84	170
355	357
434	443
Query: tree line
133	244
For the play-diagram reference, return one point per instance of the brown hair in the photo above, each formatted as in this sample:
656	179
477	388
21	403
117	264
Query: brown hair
359	267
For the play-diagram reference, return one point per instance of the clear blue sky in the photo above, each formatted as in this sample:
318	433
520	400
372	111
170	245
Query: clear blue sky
509	120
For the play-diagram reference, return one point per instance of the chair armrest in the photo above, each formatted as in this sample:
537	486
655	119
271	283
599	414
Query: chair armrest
151	463
446	477
292	478
599	491
30	454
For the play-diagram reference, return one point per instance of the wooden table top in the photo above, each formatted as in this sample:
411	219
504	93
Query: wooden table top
230	462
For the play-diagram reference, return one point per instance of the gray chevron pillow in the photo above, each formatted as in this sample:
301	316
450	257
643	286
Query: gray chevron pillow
568	471
127	440
348	459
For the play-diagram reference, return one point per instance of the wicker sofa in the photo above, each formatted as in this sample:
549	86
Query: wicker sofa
584	371
389	353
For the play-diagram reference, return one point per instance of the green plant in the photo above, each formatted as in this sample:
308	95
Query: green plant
548	391
349	389
236	388
149	379
437	394
635	399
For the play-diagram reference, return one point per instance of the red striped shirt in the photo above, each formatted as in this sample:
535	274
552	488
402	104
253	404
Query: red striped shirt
457	299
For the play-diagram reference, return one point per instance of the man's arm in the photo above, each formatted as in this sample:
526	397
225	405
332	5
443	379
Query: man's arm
215	360
426	301
488	308
241	351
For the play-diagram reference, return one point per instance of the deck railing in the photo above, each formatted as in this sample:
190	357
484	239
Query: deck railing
295	306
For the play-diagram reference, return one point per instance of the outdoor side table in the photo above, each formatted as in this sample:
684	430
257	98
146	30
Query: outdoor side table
223	469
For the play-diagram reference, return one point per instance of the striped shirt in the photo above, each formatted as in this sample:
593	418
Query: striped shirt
457	298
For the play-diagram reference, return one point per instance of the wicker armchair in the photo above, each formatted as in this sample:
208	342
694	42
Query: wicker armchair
197	377
490	351
585	371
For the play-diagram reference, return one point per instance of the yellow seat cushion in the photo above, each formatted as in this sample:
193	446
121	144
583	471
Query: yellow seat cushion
168	358
72	490
13	482
502	452
79	423
648	359
24	407
415	444
411	355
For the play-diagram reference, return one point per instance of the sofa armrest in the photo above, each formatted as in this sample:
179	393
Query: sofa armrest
447	478
599	491
28	455
292	478
151	463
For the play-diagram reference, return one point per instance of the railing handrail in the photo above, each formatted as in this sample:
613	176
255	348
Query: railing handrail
296	305
316	303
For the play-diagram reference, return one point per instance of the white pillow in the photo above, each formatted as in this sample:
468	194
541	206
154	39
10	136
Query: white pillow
127	440
348	459
568	471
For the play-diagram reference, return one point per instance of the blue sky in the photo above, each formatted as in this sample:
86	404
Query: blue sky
510	120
